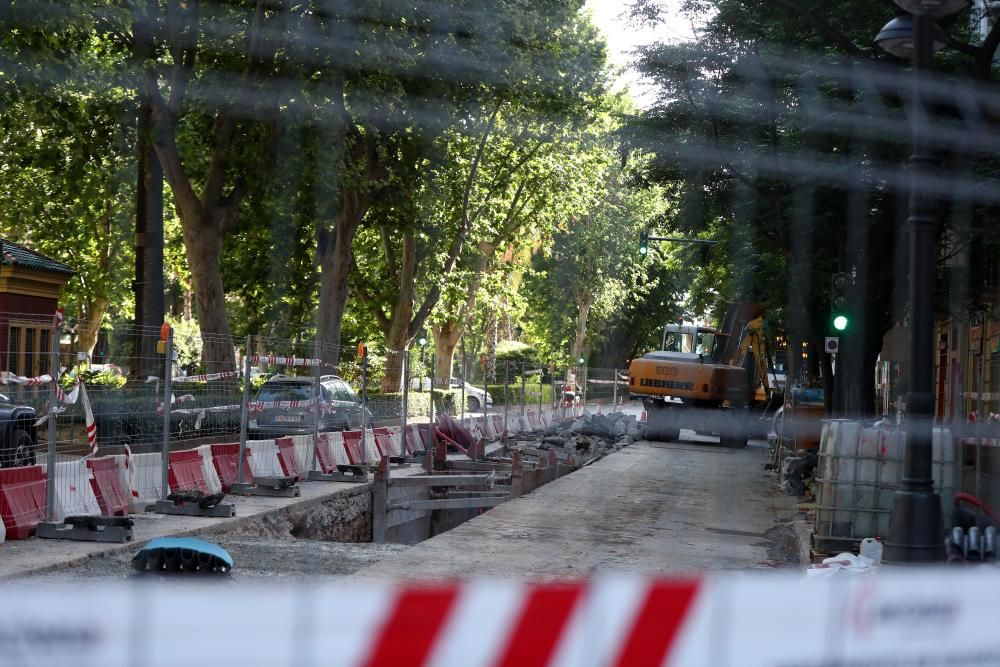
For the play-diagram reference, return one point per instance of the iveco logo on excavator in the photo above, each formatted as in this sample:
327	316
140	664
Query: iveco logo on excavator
666	384
666	370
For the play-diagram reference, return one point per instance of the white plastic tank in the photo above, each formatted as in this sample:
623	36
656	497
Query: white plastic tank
858	472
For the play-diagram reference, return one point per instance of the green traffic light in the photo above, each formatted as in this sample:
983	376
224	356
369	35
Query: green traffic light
422	342
643	250
840	322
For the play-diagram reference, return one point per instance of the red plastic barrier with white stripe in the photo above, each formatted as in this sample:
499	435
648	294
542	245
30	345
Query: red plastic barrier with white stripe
927	617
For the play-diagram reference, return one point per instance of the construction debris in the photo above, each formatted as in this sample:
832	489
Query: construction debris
588	437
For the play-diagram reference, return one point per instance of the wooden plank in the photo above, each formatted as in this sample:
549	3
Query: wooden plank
444	480
448	503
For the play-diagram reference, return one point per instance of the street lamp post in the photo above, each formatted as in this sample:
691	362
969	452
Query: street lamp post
916	533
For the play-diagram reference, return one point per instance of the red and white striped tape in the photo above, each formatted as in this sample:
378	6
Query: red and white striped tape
9	378
283	361
204	378
926	616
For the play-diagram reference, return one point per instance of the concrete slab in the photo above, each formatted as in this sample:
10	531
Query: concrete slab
650	508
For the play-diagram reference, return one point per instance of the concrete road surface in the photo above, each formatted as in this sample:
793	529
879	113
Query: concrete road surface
650	508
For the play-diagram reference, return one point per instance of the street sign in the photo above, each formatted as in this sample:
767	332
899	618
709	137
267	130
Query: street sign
832	345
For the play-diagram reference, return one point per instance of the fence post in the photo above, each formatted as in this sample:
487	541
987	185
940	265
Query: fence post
317	391
464	380
541	384
486	392
614	388
364	406
524	392
430	426
406	391
583	372
50	464
168	378
244	412
506	400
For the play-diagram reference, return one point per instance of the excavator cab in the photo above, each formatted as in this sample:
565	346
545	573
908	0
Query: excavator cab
689	339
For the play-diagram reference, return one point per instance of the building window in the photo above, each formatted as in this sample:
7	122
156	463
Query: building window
27	349
13	350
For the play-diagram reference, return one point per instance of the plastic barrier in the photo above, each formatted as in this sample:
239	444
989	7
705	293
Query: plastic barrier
22	500
264	459
186	472
286	456
396	440
74	493
106	481
325	460
383	442
304	445
208	469
370	449
352	445
145	474
224	458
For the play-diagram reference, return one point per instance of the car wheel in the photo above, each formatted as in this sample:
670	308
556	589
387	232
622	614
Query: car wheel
473	403
21	451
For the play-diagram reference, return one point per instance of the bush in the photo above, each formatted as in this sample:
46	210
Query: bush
516	352
514	395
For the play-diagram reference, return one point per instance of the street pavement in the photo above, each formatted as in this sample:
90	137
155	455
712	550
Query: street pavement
651	508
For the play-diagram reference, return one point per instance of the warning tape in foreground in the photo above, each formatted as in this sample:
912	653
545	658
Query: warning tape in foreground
917	617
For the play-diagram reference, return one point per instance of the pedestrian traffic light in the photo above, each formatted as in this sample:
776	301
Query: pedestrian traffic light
644	242
840	285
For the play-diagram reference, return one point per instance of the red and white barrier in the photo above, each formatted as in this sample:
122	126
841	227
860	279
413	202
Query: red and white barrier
925	617
145	475
264	458
304	447
74	495
208	469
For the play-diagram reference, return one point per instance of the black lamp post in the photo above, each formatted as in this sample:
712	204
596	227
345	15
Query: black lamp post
916	534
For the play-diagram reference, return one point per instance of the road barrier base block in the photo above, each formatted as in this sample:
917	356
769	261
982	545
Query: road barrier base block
220	511
96	529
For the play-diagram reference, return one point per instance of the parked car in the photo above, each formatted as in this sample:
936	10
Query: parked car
17	434
473	394
341	407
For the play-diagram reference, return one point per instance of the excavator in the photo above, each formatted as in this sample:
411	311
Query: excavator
707	380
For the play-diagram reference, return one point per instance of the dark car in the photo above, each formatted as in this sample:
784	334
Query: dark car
341	407
17	434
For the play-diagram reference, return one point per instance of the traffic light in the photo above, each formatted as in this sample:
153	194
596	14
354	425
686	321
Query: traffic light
840	285
644	243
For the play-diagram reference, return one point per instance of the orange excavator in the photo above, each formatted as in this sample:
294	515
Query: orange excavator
705	379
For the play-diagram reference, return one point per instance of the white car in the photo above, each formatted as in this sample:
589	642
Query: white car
473	394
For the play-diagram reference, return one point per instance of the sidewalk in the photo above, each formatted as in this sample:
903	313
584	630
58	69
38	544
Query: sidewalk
650	508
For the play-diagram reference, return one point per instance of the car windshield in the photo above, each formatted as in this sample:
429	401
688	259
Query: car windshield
286	392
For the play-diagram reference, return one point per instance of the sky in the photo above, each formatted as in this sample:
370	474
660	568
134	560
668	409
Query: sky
624	37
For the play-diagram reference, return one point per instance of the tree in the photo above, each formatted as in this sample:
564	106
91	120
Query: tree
594	265
66	162
481	179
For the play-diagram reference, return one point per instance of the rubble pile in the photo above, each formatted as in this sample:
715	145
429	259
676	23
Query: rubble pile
797	471
592	436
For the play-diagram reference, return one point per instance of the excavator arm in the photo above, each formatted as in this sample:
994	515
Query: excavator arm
752	340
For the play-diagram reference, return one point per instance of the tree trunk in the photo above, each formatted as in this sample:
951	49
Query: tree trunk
583	304
335	268
492	330
446	337
204	249
90	326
